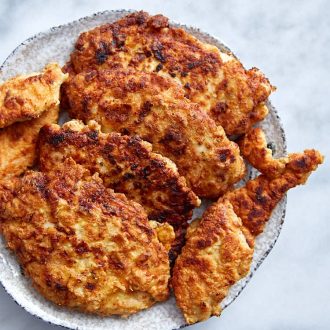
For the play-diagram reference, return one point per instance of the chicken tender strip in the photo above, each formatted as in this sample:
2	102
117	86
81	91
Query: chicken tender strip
127	165
18	143
255	202
219	249
217	81
27	97
154	107
255	150
84	246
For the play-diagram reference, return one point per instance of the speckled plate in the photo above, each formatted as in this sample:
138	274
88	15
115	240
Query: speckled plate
56	45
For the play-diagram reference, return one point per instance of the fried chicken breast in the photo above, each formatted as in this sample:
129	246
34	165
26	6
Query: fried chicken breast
18	143
84	246
127	165
219	248
26	97
154	107
232	96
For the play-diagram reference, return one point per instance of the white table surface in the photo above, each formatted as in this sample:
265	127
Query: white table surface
290	42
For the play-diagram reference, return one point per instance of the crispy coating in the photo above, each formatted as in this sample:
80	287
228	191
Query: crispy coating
165	233
84	246
154	107
254	149
215	256
18	143
127	165
219	249
255	202
217	81
27	97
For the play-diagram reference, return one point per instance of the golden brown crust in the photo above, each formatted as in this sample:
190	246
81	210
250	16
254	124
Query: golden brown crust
215	256
18	143
27	97
233	96
254	149
255	202
165	233
127	165
154	107
84	246
219	248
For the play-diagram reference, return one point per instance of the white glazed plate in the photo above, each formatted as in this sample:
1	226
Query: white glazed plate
55	45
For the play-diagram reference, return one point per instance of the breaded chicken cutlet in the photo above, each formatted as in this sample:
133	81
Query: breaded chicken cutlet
127	165
26	97
26	104
84	246
219	248
217	81
154	107
18	143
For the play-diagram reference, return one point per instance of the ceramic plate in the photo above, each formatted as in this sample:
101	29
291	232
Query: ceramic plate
56	45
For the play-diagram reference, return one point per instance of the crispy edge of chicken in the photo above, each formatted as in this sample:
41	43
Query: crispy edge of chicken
26	97
84	246
126	164
154	107
18	143
219	249
233	96
254	148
